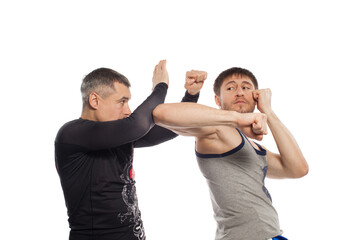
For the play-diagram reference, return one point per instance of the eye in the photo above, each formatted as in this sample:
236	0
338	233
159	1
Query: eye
230	88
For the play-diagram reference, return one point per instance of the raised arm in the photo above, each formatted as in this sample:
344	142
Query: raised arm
160	134
194	81
290	162
95	135
191	119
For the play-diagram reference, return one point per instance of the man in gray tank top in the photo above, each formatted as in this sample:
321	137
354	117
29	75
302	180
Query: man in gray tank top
234	166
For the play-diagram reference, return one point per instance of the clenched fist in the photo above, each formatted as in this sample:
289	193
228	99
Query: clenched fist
194	81
253	125
263	99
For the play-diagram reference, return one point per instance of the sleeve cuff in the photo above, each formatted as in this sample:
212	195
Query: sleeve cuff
190	98
162	85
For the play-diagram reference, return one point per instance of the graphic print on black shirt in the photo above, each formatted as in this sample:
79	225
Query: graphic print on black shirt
129	197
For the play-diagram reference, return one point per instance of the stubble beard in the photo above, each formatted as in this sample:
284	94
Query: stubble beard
247	109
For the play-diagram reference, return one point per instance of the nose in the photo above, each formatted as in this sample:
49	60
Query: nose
127	111
240	92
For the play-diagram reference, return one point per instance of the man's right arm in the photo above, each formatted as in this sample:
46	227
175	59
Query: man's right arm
93	135
191	119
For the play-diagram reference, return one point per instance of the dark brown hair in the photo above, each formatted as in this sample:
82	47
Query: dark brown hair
230	72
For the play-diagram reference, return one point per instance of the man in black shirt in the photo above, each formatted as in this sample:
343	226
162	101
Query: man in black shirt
94	154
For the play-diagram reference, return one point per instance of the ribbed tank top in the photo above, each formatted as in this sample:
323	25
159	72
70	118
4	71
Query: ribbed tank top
242	205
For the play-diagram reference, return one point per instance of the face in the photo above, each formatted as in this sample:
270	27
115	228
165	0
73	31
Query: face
236	93
116	105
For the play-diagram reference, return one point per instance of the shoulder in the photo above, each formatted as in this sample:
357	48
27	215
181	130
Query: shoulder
224	139
67	129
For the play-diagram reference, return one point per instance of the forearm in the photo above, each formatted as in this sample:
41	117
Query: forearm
93	135
192	115
292	159
160	134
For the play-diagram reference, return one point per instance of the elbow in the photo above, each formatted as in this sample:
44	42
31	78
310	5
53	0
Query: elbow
306	170
302	170
159	113
142	127
142	122
163	115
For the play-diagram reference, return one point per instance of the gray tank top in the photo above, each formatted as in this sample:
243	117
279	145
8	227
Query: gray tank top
242	205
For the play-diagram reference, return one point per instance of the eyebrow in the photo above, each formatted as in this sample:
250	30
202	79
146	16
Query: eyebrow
230	82
247	82
124	98
244	82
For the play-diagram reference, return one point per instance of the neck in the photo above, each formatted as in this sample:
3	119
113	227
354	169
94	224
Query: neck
88	115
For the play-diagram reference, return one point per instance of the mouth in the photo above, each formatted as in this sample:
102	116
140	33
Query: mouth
240	102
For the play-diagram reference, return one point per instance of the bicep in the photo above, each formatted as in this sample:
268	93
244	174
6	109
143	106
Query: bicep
200	132
278	169
275	166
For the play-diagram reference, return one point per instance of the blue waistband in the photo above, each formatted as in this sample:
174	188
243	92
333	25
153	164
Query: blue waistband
280	238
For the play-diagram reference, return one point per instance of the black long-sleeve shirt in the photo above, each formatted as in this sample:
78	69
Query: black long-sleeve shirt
94	162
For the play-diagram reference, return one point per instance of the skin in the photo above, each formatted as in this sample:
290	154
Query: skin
116	105
214	129
238	94
194	81
197	120
289	162
113	107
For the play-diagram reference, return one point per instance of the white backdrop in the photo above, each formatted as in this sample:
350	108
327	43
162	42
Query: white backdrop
306	52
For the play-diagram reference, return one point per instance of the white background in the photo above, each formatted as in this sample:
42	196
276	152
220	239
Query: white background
307	52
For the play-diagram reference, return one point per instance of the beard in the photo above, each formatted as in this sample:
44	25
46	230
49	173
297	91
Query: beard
240	108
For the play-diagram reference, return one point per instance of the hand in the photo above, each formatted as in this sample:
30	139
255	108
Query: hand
194	81
263	99
253	125
160	74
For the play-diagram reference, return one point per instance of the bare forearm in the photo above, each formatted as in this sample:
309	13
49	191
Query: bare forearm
292	158
192	115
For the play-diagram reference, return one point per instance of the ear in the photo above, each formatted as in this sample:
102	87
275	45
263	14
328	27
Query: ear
94	100
218	100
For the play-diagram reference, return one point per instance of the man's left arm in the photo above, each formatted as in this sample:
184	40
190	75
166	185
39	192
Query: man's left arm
290	162
193	84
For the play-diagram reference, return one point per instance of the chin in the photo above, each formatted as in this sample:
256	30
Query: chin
239	109
246	110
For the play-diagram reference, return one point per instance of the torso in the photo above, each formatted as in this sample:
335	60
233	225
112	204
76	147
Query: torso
99	190
235	169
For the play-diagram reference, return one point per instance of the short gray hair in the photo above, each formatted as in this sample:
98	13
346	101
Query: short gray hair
101	81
